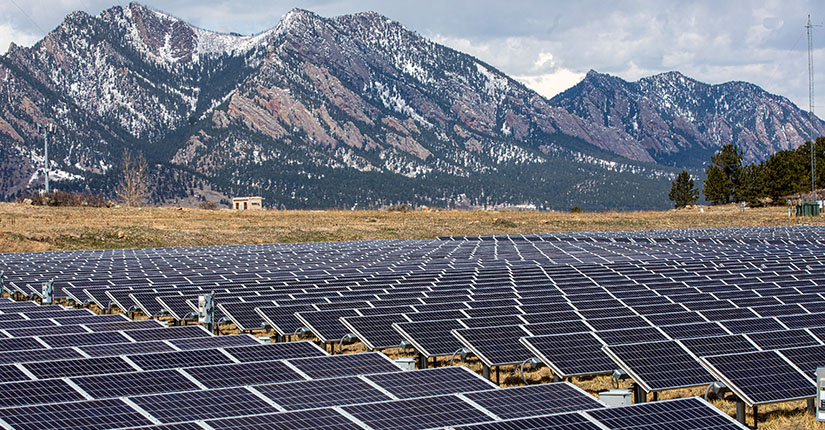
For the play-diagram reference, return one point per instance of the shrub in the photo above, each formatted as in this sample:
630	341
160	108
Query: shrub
576	210
503	222
64	198
399	208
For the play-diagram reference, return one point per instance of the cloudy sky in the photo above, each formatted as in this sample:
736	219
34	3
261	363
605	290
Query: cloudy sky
549	45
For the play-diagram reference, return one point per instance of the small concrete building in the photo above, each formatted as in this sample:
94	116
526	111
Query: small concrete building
247	203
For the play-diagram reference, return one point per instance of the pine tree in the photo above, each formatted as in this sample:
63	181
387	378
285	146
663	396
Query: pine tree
682	192
724	175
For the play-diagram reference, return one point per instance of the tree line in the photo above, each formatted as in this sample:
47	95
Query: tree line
729	180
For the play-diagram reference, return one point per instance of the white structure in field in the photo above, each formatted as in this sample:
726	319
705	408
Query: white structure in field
247	203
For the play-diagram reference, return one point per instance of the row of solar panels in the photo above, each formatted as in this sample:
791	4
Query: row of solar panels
236	382
321	252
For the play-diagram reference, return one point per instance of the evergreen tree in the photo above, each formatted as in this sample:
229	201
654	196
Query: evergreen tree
751	184
682	192
724	175
784	173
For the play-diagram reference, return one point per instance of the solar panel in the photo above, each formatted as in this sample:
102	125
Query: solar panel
495	345
571	354
167	333
39	355
46	331
375	331
135	383
431	338
19	344
668	414
96	414
235	375
282	318
806	358
84	339
275	351
659	366
202	405
35	392
428	412
783	339
313	394
435	315
78	367
215	342
752	325
688	331
675	318
430	382
344	365
243	315
15	324
631	335
715	345
547	317
569	421
180	426
532	400
320	419
125	349
563	327
325	324
123	325
760	377
803	321
178	359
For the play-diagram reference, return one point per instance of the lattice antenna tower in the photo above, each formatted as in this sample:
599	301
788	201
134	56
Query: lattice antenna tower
809	27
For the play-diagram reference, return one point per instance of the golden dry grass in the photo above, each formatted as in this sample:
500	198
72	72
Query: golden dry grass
29	228
33	228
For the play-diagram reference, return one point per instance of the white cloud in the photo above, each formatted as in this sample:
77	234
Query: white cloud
550	84
8	35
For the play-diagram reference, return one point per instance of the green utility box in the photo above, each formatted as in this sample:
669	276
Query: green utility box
808	209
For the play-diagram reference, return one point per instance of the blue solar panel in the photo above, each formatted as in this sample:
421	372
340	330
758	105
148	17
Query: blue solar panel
202	405
430	382
532	400
761	377
428	412
300	395
691	413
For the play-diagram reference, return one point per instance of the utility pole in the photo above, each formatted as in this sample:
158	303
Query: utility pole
46	129
811	117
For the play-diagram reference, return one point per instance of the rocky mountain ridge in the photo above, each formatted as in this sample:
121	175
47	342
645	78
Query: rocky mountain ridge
678	120
315	112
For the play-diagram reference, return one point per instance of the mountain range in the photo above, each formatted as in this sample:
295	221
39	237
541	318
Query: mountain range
354	111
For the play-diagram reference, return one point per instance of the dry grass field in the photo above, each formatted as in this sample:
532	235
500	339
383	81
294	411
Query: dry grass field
37	228
30	228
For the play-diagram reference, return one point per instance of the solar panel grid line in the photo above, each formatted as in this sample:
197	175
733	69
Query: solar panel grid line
22	370
141	411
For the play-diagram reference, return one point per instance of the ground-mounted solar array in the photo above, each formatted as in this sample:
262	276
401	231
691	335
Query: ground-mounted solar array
671	309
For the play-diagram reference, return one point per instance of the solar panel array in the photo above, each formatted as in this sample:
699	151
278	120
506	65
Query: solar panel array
700	301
